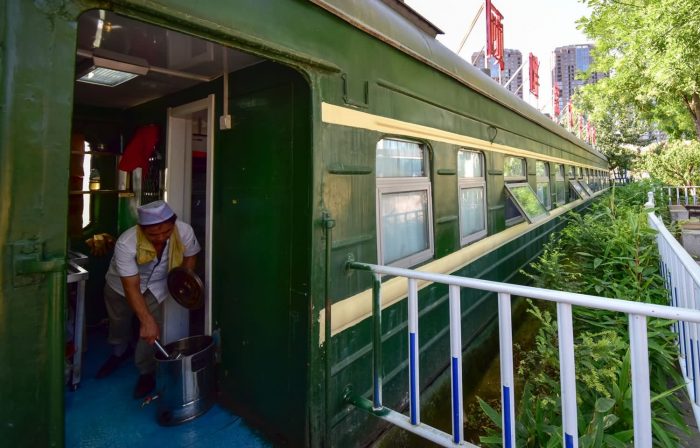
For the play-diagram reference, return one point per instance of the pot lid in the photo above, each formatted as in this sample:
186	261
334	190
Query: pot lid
186	288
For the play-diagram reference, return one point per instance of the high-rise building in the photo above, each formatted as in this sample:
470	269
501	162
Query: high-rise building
569	61
513	60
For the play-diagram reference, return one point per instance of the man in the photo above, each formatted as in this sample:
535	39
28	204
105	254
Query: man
136	283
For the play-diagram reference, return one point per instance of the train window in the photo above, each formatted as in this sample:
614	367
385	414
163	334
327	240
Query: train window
514	170
560	184
572	171
578	189
586	187
595	180
579	172
526	201
472	196
543	188
404	206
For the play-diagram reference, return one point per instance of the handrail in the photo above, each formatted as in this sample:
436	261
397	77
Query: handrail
682	279
637	312
689	191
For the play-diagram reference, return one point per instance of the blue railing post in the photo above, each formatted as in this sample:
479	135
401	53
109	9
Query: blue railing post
413	352
377	342
567	369
456	364
641	400
505	327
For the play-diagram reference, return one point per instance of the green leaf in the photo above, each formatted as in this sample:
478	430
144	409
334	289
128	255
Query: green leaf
603	405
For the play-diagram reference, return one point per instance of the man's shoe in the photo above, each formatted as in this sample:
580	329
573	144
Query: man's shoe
145	385
111	364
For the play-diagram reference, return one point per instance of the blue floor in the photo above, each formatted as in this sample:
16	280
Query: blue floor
102	413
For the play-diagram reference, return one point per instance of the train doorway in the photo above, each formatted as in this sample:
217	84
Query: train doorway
188	189
250	212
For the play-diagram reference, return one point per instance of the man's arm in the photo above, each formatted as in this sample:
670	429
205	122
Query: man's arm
132	290
189	262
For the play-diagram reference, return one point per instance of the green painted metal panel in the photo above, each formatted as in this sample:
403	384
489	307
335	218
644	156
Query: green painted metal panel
261	256
34	140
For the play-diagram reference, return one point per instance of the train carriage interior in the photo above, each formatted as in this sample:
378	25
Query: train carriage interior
158	104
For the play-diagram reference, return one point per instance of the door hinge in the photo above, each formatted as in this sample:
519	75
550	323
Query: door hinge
29	265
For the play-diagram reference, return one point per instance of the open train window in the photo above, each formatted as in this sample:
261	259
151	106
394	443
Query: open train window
527	202
578	189
472	196
586	187
404	204
560	184
514	171
543	188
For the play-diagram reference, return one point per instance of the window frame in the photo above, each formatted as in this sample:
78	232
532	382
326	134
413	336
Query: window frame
542	179
586	187
466	183
513	179
580	191
523	212
560	182
405	184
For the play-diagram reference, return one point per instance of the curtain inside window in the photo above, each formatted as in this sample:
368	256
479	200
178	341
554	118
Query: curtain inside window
404	224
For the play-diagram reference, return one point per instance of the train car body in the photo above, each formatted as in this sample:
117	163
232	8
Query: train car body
333	131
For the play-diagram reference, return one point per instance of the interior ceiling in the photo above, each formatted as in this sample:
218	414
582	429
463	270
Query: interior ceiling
160	47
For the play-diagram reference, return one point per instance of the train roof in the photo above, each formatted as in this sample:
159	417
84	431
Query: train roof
389	21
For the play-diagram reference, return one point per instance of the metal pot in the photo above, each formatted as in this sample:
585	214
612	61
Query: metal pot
186	381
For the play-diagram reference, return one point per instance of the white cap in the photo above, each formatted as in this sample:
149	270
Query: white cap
154	213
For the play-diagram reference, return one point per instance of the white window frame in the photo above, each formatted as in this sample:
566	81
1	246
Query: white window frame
586	187
580	191
514	179
388	185
543	179
559	180
466	183
531	219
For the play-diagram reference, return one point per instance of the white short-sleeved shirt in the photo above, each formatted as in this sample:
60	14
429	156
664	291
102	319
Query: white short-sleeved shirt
154	274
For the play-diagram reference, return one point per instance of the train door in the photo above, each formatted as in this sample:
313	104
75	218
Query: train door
188	190
251	212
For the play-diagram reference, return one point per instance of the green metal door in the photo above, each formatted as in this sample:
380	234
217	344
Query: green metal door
35	113
261	249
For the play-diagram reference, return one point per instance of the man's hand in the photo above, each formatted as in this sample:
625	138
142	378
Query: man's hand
149	330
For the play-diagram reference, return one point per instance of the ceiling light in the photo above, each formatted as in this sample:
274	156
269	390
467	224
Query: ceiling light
110	69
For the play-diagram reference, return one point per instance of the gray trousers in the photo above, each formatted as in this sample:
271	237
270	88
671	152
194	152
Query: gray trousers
120	330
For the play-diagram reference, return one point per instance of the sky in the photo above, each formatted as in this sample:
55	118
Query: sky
534	26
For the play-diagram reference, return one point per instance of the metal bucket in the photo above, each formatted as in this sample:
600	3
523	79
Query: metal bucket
186	384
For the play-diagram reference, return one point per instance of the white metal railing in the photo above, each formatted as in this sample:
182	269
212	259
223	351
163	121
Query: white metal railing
682	278
682	195
637	312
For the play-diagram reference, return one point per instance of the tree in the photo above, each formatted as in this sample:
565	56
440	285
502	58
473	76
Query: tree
651	49
673	163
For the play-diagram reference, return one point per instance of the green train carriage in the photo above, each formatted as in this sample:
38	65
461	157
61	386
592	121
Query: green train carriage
316	91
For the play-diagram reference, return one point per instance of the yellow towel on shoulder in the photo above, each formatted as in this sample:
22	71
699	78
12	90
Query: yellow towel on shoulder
145	252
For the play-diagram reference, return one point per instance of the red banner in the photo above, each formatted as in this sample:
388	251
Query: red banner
571	116
556	94
494	34
534	75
